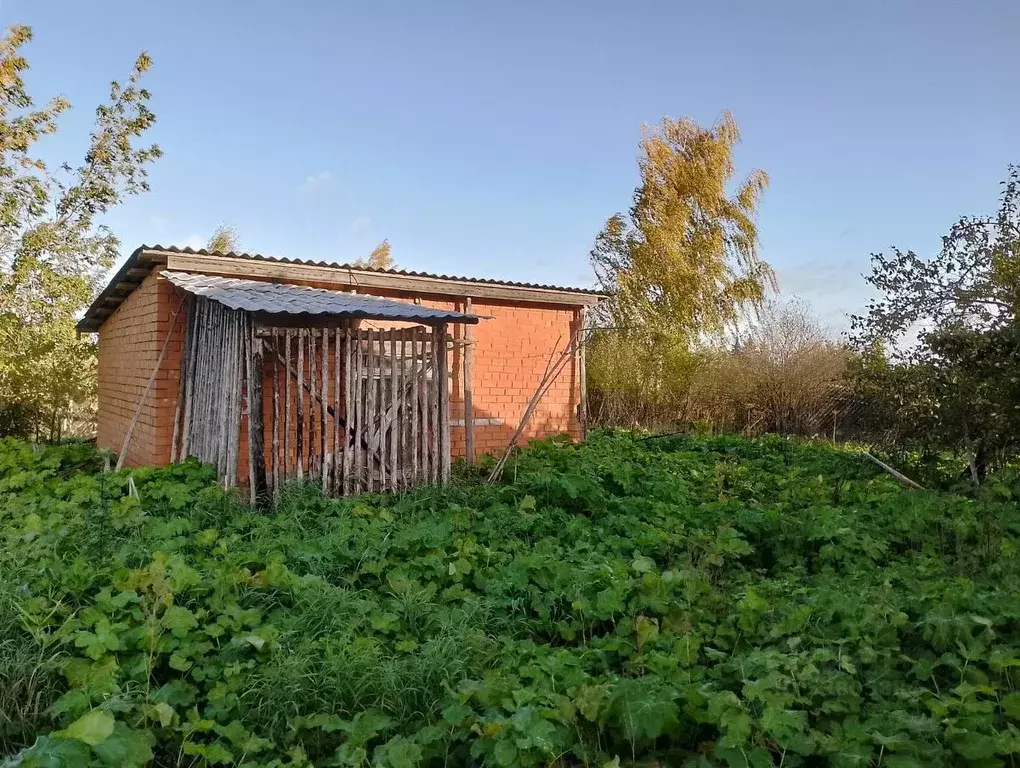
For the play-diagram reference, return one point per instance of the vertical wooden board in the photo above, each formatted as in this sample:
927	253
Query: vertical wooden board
424	399
288	402
338	452
299	435
188	375
413	437
361	395
434	407
393	422
443	391
348	413
256	427
582	373
469	413
380	431
372	416
276	414
324	441
313	458
402	421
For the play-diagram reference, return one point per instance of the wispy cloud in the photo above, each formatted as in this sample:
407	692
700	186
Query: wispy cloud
361	224
317	182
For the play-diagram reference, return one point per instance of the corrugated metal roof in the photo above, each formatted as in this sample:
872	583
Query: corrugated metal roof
359	268
283	298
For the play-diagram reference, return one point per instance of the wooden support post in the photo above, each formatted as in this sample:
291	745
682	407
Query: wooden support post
371	381
415	408
299	433
469	415
349	416
312	380
432	404
443	404
359	409
181	381
288	404
195	312
276	417
582	373
394	423
327	455
338	449
256	434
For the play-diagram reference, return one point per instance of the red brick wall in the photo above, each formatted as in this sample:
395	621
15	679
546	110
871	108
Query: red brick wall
129	345
511	352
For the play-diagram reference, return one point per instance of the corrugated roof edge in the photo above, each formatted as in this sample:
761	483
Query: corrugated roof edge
97	311
352	267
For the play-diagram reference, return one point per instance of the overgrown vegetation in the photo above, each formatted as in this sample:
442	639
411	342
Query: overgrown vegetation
683	601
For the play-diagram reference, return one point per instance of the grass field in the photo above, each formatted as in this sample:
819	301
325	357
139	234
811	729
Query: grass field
688	601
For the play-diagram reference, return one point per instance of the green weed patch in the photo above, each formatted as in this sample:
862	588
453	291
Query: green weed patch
691	601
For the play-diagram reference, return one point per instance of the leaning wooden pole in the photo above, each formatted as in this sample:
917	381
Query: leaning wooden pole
902	479
148	389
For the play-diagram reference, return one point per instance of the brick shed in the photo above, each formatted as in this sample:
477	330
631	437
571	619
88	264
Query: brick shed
504	333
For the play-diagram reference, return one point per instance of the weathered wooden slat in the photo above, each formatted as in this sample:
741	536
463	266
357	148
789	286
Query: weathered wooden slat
372	382
402	421
415	443
314	456
256	427
437	341
276	415
326	452
443	393
188	377
582	371
338	451
288	404
393	428
469	412
299	435
334	277
359	408
380	423
182	385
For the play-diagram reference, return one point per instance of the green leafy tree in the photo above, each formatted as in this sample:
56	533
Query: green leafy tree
54	250
956	386
684	260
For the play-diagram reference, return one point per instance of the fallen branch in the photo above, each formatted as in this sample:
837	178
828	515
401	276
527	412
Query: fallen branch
903	480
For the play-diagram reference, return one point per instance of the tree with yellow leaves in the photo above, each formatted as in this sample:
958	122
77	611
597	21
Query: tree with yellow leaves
681	266
684	261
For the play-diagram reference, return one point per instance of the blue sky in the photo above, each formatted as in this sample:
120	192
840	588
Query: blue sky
494	138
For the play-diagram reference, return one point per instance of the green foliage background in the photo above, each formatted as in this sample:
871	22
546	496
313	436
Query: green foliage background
685	601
